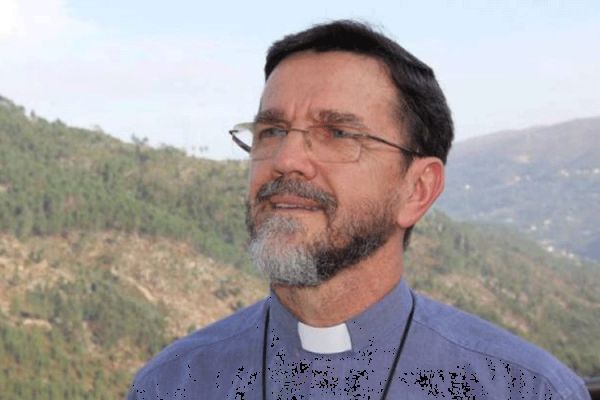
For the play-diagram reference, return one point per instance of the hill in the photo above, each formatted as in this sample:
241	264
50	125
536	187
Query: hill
79	313
54	178
543	181
109	250
504	277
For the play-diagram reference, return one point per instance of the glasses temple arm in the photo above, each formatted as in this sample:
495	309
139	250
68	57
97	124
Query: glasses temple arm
238	141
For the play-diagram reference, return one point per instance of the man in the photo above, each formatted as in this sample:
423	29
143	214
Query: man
347	154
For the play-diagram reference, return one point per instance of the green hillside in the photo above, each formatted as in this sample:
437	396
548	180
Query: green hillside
508	279
54	178
109	250
80	312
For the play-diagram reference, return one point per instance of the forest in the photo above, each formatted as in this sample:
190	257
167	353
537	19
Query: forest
77	318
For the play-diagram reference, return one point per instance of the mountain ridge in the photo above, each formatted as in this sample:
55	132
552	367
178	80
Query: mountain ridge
544	181
562	127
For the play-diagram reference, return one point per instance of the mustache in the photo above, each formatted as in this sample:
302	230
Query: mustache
281	186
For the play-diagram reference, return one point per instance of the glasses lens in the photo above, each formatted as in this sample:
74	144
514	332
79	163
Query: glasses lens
258	141
322	143
333	145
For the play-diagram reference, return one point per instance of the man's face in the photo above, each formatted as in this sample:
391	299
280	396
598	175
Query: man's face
310	219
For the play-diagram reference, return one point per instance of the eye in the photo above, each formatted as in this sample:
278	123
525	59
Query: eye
271	132
331	133
338	133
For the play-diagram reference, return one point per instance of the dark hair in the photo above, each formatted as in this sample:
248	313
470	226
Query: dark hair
421	104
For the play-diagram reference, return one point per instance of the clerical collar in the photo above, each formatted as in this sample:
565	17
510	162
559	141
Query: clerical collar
382	320
333	339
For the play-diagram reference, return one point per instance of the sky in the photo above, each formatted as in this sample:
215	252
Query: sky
182	73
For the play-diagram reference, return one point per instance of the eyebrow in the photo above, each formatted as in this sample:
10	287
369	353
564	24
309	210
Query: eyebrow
337	117
272	115
275	115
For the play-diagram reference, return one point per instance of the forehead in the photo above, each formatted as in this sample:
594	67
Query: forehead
306	83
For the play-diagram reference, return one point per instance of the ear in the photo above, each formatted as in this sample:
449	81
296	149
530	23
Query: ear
424	182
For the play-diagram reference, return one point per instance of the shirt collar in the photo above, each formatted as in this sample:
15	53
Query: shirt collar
380	321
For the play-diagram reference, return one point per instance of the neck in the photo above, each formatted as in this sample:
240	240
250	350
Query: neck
348	293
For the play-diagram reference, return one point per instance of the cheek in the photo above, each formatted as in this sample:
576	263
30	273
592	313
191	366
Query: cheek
375	185
358	183
256	178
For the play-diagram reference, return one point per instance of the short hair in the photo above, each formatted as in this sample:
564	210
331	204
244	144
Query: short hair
422	105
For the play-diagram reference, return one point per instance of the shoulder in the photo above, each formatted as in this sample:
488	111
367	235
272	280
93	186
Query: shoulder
228	332
471	338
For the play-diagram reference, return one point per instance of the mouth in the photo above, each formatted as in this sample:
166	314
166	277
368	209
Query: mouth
290	197
293	203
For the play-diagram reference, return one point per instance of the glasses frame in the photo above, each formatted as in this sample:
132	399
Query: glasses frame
250	125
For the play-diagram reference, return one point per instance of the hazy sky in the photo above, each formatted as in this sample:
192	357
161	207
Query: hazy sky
183	72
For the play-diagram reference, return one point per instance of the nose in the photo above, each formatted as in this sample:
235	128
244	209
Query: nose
292	157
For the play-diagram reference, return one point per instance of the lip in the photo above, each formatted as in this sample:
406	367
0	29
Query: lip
293	203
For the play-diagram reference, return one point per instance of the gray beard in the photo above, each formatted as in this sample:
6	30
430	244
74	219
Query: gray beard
337	248
280	263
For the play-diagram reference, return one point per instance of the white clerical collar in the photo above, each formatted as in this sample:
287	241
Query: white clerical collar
333	339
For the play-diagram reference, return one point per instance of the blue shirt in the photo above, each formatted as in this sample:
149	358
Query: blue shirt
448	354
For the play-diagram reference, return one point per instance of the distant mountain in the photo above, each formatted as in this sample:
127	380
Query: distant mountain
109	250
544	181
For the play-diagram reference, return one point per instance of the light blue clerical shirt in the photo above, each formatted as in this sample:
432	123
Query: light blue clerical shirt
448	354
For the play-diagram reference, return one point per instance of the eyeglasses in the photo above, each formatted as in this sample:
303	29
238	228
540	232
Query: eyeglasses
325	143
